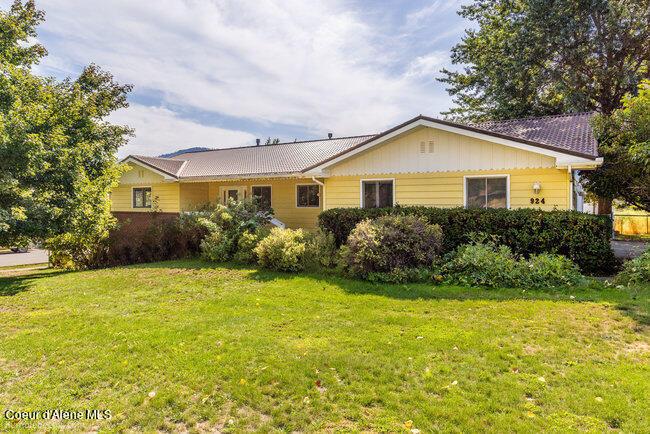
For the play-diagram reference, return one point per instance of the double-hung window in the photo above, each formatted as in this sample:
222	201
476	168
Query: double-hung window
142	197
486	192
263	194
308	196
376	193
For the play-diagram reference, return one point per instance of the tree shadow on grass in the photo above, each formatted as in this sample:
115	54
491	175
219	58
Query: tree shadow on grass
634	303
14	284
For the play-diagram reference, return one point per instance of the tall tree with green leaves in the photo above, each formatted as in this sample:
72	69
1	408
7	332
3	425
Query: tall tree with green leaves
540	57
58	159
624	142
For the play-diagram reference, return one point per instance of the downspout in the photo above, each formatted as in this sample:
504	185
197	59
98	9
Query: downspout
322	184
570	187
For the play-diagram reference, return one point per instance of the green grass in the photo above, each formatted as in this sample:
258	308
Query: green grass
186	345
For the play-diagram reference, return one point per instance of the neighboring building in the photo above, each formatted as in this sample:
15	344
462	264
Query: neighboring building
424	161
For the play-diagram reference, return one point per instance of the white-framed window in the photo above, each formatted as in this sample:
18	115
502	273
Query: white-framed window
377	193
141	197
491	191
307	195
263	193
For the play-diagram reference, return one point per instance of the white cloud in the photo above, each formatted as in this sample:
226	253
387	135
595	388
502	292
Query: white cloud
429	65
419	17
294	62
159	131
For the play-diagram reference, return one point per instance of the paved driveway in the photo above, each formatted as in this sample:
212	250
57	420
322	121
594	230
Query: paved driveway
629	249
34	256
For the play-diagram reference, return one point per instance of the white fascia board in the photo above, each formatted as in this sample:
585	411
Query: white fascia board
561	157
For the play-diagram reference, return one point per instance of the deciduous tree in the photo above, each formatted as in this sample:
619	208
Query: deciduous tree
57	151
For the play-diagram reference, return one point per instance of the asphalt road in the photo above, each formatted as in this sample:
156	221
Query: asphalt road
34	256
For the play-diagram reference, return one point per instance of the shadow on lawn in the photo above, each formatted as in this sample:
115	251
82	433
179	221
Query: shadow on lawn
12	285
634	303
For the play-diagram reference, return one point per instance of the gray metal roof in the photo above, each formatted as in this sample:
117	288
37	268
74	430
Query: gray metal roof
281	158
571	134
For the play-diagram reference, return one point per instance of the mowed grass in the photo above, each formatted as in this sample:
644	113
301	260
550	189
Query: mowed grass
190	346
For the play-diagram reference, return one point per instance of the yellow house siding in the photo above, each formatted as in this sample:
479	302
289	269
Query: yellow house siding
445	189
139	175
194	194
431	150
166	195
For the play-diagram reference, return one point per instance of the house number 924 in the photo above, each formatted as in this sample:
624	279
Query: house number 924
537	200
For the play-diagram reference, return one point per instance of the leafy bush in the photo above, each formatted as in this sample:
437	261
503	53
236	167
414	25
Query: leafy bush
583	238
548	271
216	246
490	265
227	224
320	250
283	250
482	265
635	271
247	243
151	238
391	243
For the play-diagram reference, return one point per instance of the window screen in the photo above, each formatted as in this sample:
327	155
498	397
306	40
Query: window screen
377	194
308	196
487	192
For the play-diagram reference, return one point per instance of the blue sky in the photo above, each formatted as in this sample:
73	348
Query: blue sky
221	73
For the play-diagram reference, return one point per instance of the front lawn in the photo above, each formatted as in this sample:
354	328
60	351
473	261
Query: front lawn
184	345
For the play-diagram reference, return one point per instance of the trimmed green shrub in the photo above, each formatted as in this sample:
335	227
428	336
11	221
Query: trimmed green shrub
635	271
391	243
583	238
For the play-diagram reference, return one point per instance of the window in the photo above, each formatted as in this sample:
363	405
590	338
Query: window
376	194
308	196
486	192
142	197
264	195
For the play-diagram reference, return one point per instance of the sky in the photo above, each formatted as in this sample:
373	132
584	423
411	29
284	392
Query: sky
215	73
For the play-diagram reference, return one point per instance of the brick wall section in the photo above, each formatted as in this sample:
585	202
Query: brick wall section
142	219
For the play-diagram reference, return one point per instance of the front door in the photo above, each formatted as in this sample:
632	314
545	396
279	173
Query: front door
234	192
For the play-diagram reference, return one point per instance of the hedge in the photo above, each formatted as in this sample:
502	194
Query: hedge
583	238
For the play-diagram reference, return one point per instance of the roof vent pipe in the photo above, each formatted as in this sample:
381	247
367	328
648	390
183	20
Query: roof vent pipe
257	141
329	135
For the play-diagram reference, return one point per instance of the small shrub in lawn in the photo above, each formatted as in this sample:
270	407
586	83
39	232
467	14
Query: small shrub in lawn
635	271
391	243
283	250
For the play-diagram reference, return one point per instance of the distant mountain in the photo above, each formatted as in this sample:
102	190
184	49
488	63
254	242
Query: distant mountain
184	151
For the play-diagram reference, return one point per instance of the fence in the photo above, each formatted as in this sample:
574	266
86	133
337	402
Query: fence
632	224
